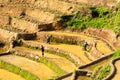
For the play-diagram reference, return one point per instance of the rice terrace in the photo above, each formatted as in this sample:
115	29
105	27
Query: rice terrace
59	39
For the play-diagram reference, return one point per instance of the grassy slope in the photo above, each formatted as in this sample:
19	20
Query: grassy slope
98	17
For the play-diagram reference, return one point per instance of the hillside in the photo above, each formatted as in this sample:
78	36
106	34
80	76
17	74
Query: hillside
25	26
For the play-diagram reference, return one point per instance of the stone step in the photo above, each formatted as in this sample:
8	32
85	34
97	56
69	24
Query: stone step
33	67
66	66
6	75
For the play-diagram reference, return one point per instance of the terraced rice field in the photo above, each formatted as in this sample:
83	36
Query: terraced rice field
101	45
77	50
39	69
35	16
6	75
35	68
61	62
70	34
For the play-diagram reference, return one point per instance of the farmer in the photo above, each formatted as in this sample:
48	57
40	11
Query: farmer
42	49
85	45
48	38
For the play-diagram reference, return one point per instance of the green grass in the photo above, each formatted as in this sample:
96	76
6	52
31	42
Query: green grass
17	70
98	17
101	72
116	54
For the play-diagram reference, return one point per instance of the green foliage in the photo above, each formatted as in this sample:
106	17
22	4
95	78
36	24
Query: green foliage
116	54
101	11
27	75
12	68
100	17
101	72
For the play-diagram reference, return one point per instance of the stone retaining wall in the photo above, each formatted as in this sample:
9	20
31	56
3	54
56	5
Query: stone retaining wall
29	25
24	25
105	34
5	53
27	36
82	73
8	35
42	37
64	76
96	61
109	35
